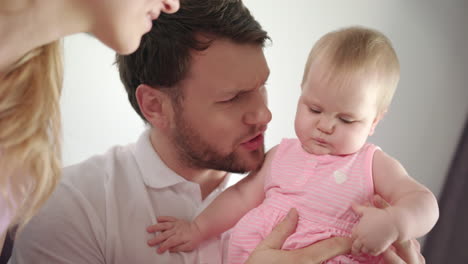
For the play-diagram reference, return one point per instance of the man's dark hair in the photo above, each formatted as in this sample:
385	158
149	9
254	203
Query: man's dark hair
164	56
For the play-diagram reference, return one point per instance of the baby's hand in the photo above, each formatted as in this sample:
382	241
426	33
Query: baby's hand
175	235
375	232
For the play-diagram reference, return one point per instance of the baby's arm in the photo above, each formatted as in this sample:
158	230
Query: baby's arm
219	216
413	213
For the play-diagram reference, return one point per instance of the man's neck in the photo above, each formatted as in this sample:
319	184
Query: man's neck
208	179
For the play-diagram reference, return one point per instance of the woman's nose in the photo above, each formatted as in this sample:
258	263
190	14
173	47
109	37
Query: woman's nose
170	6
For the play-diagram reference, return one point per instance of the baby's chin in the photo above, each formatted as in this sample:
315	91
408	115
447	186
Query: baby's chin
318	150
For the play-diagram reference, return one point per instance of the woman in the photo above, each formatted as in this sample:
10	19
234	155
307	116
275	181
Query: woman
30	85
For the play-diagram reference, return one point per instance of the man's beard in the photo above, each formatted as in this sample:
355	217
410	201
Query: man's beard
194	152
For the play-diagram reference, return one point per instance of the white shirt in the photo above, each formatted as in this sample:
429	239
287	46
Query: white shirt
100	211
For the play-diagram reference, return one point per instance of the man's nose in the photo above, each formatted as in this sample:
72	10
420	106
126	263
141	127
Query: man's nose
258	113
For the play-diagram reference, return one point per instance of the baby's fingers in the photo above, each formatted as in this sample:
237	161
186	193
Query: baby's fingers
160	227
160	238
377	252
356	248
186	247
169	244
405	252
372	252
166	219
365	250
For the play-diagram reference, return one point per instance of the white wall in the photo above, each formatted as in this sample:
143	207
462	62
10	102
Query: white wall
95	110
421	129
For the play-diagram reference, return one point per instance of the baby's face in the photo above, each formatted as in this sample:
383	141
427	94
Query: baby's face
335	117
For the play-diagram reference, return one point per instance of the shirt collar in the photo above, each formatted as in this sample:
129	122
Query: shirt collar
155	172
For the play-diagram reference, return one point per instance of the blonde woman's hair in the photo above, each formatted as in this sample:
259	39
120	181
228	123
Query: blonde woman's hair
357	51
30	131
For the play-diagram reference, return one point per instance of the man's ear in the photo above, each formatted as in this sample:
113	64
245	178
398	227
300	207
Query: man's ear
376	121
154	105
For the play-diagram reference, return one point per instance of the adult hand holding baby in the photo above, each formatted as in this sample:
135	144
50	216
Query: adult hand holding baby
179	235
269	250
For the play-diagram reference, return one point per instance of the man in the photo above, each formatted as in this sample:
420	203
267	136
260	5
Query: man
198	81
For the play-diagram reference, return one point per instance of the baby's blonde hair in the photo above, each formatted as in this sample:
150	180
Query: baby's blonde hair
30	134
355	51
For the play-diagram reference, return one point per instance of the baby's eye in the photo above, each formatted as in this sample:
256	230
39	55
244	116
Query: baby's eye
314	110
346	120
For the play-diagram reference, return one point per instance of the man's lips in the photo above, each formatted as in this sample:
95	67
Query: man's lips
254	142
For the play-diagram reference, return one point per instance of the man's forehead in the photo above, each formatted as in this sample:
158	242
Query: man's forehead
247	84
229	66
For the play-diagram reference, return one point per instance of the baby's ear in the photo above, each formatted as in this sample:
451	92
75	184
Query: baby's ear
376	121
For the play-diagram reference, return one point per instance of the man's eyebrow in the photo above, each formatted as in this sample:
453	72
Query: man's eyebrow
262	81
239	89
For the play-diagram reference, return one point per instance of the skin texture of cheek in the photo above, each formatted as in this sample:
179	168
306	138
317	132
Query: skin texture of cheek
124	39
351	140
121	24
201	145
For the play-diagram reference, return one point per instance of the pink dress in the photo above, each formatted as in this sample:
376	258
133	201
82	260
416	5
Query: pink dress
322	189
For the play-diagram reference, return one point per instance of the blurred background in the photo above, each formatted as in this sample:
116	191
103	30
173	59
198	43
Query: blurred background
423	128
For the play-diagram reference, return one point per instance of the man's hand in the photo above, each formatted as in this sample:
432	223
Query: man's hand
269	250
176	235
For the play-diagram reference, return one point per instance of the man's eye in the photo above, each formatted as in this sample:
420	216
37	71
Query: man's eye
230	99
316	111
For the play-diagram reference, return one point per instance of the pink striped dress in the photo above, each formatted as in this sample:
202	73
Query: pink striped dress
322	189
